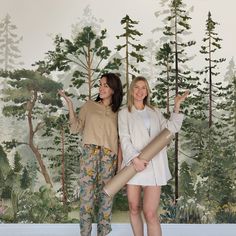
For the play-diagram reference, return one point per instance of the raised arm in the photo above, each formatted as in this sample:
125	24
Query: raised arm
72	114
179	99
76	124
174	123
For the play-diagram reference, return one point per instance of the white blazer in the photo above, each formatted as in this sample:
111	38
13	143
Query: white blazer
134	136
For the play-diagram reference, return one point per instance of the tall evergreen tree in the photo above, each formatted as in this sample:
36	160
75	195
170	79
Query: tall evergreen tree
228	106
65	156
9	45
212	88
208	137
162	90
173	58
228	119
132	50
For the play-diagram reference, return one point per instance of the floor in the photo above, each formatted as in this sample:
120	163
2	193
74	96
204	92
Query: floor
118	230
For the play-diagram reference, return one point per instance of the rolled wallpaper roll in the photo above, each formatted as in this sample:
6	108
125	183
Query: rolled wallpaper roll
149	151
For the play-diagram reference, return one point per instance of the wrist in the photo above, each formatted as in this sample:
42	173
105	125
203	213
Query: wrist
134	160
176	109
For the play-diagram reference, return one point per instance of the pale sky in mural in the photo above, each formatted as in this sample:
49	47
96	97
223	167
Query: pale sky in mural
38	19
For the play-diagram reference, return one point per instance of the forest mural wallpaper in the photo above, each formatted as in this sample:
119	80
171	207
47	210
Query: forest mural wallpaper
176	44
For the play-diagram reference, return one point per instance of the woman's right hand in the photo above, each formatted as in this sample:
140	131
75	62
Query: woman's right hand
63	94
139	164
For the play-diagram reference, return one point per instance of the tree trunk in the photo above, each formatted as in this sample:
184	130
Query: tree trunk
176	135
64	194
127	63
34	149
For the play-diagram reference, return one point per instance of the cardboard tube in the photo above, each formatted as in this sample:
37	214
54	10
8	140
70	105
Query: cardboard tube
149	151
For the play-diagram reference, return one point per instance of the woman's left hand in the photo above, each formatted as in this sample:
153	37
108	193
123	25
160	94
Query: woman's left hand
179	99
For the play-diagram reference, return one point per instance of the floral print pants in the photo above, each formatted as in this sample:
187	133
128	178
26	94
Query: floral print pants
97	167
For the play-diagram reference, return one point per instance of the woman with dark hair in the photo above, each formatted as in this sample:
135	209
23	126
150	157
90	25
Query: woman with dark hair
139	123
97	121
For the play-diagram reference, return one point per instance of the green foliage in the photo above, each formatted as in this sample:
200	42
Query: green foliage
85	56
25	181
17	164
226	214
188	211
212	88
29	86
39	207
6	192
168	208
121	201
4	163
186	185
132	50
65	158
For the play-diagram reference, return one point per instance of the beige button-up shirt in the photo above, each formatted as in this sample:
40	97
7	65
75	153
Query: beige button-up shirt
98	125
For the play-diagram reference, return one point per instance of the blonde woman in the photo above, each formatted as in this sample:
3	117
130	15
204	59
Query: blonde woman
138	124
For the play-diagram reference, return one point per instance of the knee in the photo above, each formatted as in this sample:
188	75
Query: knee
150	216
134	208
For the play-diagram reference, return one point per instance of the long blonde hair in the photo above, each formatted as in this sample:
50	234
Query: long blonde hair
146	100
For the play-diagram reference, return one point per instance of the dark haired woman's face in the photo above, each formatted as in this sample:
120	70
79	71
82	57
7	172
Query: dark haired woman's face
105	92
139	91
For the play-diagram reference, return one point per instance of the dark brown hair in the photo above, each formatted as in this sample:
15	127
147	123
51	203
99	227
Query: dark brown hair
114	82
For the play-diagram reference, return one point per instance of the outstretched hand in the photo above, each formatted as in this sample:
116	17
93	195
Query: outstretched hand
63	94
180	98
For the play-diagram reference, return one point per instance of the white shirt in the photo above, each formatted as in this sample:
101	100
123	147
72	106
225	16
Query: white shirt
134	136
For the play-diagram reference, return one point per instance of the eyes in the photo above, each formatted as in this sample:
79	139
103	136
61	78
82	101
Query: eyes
105	85
140	87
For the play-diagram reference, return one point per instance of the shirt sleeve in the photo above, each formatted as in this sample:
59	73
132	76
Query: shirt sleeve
77	124
173	124
128	150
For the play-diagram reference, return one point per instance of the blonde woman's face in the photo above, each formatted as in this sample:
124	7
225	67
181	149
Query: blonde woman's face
139	91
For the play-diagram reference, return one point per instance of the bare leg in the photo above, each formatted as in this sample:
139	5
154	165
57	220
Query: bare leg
151	202
134	199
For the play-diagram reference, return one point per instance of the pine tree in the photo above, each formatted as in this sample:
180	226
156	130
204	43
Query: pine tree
228	118
162	91
216	189
17	164
9	42
132	50
212	44
32	97
85	55
186	187
25	180
65	156
173	58
210	139
228	113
